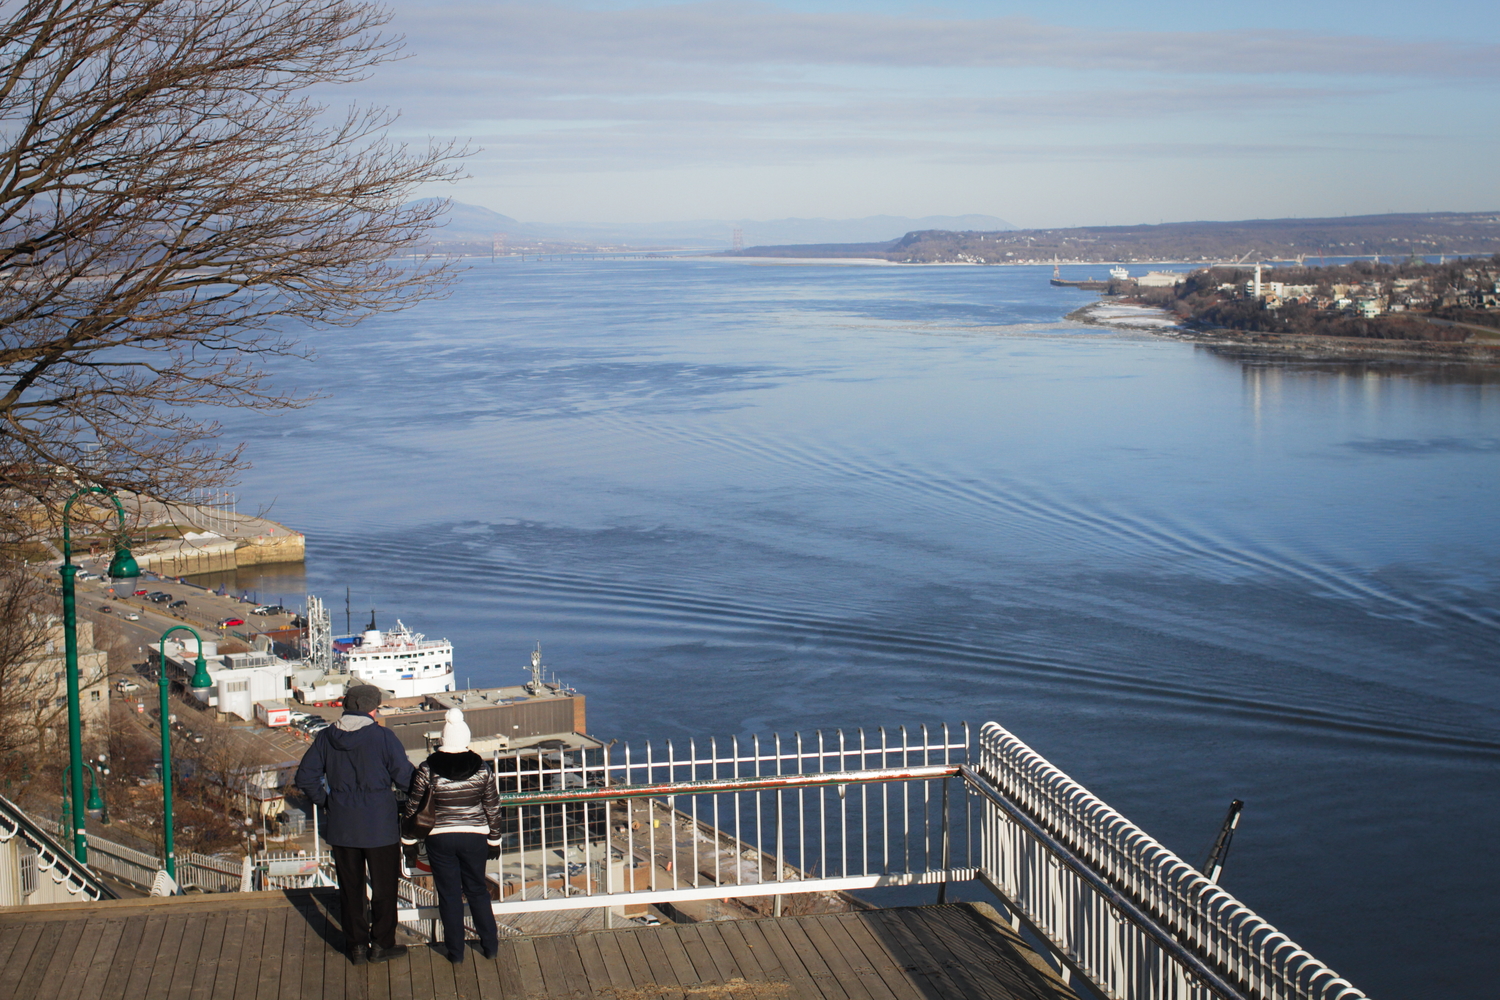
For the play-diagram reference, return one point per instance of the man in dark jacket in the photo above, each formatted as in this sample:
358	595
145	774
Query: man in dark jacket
351	768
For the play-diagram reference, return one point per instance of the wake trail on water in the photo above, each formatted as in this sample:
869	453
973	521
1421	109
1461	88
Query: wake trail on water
1095	527
679	616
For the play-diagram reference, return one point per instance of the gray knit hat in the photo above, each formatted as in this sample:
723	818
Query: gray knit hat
361	699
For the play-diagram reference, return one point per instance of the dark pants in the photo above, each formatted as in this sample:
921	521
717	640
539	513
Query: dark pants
457	861
384	866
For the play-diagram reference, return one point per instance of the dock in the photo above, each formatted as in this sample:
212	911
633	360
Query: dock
289	946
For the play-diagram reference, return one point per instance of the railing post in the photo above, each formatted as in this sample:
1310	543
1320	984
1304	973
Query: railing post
780	865
943	888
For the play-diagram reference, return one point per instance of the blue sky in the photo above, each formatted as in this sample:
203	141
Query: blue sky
1045	115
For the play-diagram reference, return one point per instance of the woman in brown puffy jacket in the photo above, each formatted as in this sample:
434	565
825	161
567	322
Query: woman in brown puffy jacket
465	833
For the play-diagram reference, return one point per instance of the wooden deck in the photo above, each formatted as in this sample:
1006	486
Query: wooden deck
260	946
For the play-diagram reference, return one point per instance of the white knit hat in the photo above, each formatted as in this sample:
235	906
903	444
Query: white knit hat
455	732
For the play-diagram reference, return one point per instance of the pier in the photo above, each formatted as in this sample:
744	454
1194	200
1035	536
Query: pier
288	946
770	824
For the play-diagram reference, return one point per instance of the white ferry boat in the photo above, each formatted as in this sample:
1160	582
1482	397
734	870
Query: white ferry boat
1119	273
402	661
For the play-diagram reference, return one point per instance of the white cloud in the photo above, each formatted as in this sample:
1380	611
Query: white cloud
525	38
570	101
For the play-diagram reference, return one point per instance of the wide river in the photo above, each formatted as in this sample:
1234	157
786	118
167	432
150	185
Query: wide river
734	499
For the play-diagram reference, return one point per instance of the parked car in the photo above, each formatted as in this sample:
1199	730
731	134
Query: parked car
132	616
160	597
127	686
105	608
268	609
230	622
179	603
139	593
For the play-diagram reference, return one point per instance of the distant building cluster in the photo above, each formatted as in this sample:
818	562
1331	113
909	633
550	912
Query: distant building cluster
1472	288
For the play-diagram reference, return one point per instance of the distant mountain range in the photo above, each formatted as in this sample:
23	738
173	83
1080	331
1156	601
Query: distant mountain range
473	222
1388	236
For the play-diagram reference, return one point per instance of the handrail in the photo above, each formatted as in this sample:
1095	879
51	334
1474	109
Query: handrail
1237	944
51	855
706	786
1119	900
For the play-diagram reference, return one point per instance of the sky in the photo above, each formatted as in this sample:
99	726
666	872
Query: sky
1088	113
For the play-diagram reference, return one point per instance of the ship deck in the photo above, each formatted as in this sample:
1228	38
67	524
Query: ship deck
272	945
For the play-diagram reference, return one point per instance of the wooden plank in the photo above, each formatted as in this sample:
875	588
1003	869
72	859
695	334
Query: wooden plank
185	957
466	976
529	969
50	961
228	972
145	956
508	969
608	944
247	979
803	970
878	956
979	939
683	970
853	956
103	960
316	949
10	933
487	977
765	955
907	949
746	962
291	952
22	954
377	977
594	969
419	960
562	969
657	961
268	974
825	969
399	977
635	961
444	986
70	986
706	945
336	965
972	981
119	970
168	954
210	948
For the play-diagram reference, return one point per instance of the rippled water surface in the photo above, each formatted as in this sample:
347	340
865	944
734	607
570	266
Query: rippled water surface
731	498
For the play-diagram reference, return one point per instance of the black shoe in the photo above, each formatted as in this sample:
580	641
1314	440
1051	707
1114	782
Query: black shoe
456	959
379	954
359	954
489	952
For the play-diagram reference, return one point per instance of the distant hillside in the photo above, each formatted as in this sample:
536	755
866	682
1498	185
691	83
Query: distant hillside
466	222
472	222
1262	239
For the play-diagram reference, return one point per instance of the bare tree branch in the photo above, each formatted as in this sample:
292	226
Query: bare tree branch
172	200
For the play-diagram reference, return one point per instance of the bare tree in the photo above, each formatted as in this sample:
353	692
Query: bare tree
173	203
27	708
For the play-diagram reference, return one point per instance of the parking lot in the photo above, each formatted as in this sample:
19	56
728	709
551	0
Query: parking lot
215	617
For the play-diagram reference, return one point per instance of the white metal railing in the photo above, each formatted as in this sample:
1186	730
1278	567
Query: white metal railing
1117	906
204	872
766	818
827	811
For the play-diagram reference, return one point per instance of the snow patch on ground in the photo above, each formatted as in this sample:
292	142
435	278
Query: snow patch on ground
1125	316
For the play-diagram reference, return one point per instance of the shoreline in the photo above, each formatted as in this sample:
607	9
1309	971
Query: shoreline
1120	315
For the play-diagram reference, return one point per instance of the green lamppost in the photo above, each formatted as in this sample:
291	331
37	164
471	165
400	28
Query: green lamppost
200	684
122	566
96	805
